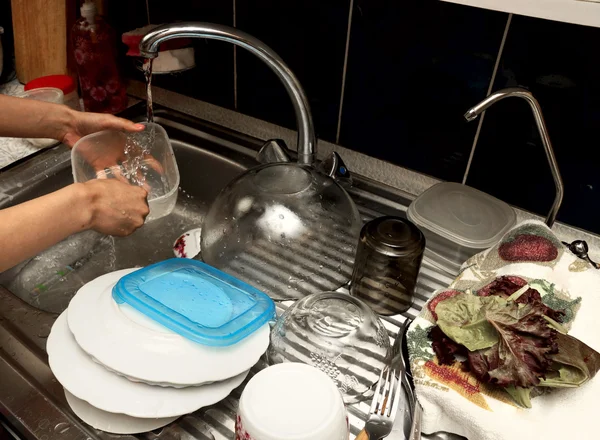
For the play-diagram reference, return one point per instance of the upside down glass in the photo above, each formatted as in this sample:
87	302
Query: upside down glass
388	259
338	334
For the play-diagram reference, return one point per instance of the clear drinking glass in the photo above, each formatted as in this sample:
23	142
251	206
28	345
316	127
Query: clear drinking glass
339	335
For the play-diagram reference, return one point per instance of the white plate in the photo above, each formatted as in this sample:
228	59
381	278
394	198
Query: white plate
90	381
130	343
111	422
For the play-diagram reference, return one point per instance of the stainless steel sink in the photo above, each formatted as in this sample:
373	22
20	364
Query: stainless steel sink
31	400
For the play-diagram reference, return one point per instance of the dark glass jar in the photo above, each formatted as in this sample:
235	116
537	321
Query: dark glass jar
388	259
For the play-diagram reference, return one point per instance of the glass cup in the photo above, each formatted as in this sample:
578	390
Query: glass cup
338	334
388	259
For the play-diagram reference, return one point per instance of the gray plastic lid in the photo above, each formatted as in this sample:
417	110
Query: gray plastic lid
462	214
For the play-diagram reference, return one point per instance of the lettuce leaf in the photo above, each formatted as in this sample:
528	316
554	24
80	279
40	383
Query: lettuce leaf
463	319
574	364
510	343
525	347
445	348
516	342
522	396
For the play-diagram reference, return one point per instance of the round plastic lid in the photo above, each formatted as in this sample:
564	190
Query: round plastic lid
46	94
462	214
62	82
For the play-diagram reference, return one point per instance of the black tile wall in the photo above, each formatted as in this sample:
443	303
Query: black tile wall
414	67
126	16
310	36
8	70
556	62
212	78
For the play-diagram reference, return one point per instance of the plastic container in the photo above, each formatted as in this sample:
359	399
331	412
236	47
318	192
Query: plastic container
95	45
458	222
144	158
196	300
62	82
46	94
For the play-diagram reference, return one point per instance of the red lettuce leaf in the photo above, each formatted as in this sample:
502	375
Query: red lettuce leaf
503	286
445	348
524	354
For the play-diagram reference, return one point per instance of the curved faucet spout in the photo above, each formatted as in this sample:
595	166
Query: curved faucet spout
518	92
307	144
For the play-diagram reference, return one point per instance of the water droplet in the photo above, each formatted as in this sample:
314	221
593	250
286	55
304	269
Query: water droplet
62	427
44	331
281	216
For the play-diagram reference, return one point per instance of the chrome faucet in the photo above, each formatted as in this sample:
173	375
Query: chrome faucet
307	145
518	92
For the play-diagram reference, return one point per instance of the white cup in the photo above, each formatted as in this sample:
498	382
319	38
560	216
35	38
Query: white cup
291	401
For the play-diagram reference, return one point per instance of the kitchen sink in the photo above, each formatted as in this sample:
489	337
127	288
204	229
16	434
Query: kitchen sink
36	291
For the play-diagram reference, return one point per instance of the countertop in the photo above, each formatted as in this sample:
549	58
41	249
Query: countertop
13	149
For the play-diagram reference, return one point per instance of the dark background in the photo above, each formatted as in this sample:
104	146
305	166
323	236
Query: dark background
413	68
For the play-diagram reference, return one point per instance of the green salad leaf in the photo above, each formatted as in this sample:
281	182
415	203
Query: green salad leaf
463	319
574	364
521	396
512	339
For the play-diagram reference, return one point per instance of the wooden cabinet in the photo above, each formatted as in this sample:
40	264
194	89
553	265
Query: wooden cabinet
41	33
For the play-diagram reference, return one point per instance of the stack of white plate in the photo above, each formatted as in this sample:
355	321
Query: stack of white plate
124	373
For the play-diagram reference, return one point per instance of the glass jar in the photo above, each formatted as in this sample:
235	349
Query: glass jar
388	259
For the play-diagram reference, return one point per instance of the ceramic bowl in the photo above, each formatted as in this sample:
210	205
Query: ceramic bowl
291	401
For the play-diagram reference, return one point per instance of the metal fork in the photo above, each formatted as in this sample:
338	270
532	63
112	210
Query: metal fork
384	407
387	395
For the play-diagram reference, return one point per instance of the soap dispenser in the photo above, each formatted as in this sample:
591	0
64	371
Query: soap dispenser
102	88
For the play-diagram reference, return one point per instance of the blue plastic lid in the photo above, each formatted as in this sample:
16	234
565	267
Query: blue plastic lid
196	300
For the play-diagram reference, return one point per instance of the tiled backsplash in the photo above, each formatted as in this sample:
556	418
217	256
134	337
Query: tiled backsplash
393	79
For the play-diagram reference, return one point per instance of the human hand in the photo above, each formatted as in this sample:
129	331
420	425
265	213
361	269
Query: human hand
79	124
116	208
121	155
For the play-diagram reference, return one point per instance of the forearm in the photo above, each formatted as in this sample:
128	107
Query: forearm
33	119
29	228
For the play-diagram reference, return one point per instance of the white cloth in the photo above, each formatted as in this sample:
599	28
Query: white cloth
563	413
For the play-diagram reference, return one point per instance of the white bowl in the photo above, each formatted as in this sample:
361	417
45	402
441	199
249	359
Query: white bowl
291	401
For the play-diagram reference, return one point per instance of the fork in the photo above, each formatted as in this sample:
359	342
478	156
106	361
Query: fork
384	407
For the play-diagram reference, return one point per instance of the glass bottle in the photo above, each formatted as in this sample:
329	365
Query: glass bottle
102	88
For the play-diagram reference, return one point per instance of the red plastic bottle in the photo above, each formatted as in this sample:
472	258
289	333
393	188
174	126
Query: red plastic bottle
94	42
